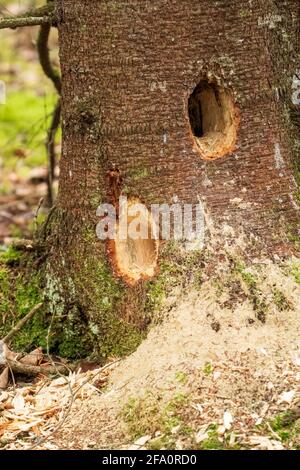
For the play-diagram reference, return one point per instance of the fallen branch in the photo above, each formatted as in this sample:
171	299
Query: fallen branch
22	322
27	369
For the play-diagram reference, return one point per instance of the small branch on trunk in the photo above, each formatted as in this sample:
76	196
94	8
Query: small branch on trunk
18	22
22	322
39	16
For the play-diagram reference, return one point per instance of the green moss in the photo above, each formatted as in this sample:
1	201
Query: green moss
161	443
212	442
4	292
249	279
117	337
18	295
295	271
150	414
287	428
244	13
177	268
142	416
293	235
10	257
88	319
258	299
181	377
139	174
208	368
280	300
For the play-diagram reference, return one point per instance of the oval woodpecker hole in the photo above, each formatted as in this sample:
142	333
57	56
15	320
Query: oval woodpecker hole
134	252
213	120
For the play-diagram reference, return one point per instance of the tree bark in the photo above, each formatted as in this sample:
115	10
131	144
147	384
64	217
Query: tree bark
129	71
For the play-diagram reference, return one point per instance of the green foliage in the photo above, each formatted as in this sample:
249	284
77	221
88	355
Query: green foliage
25	119
176	269
258	299
18	296
287	428
142	416
181	377
295	271
149	414
10	256
212	442
281	301
249	279
293	235
208	368
118	338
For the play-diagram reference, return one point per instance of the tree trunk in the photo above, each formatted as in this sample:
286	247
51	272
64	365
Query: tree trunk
165	98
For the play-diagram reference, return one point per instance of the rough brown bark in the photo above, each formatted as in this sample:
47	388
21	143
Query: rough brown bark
128	70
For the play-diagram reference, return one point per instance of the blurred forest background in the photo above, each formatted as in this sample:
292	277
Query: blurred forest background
25	119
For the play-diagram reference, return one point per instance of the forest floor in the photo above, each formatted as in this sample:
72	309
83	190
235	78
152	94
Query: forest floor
214	373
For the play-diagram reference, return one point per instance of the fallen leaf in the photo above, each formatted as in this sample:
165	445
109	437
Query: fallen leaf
201	436
287	397
4	378
34	358
18	402
142	440
227	420
264	443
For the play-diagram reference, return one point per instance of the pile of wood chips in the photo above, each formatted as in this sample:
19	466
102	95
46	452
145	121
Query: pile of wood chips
31	413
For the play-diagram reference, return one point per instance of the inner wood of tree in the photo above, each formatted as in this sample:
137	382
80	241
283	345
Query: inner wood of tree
213	120
135	258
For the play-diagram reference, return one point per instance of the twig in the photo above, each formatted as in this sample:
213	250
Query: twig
26	21
22	322
39	16
37	212
12	376
274	434
44	56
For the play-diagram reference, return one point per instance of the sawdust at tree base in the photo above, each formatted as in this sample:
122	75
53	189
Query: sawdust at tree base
235	386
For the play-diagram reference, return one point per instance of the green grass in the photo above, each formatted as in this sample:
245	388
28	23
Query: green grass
148	415
24	122
208	368
25	116
181	377
288	429
295	271
281	301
